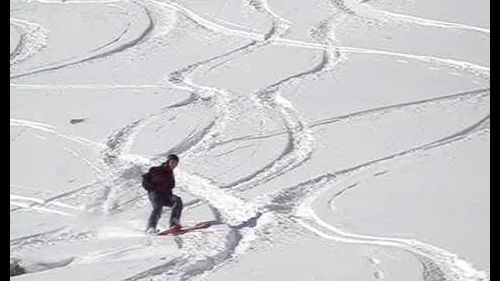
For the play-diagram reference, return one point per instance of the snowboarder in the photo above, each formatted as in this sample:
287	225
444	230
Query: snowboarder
159	182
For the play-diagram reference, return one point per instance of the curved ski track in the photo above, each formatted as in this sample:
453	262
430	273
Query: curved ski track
33	37
100	52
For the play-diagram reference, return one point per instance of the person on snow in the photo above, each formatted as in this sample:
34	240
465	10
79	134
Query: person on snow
159	182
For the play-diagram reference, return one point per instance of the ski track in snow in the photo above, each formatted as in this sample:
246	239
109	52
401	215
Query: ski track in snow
113	47
33	38
240	216
295	203
365	8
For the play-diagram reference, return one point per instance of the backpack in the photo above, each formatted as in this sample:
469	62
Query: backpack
146	181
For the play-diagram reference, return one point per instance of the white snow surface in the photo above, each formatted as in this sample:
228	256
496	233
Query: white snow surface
328	140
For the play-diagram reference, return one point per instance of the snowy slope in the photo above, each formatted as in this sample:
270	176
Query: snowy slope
330	140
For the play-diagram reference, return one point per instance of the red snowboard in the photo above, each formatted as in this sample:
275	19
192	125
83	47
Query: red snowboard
183	230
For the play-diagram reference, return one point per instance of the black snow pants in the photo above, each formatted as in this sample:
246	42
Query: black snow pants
158	200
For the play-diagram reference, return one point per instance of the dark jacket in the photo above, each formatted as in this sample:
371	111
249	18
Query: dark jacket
161	179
